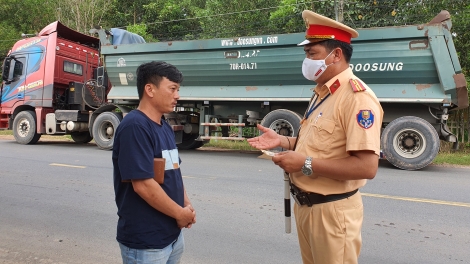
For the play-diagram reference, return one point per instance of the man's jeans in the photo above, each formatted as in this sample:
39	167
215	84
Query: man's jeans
169	255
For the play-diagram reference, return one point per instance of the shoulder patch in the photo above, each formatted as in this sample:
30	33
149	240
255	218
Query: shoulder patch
357	85
365	119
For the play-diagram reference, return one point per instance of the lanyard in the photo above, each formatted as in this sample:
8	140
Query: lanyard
313	107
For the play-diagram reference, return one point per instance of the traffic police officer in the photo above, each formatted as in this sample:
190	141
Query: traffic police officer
337	147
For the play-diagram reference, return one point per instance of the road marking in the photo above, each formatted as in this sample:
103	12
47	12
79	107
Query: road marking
419	200
66	165
193	177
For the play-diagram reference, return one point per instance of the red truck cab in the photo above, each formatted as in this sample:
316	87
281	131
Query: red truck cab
46	74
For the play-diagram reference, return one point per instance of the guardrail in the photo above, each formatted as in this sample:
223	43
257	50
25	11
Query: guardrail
208	124
459	123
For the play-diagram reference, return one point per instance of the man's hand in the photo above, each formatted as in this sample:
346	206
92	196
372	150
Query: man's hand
194	219
186	217
290	161
268	140
187	203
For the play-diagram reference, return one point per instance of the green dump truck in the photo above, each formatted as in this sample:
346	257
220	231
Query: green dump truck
240	81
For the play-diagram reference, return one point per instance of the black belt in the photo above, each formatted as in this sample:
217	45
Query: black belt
309	199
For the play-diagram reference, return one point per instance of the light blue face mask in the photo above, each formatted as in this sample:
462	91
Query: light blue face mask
312	69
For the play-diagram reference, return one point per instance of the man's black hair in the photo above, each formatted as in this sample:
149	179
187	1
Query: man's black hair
332	44
153	72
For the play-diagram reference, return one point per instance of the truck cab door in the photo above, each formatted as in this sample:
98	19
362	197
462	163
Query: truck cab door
14	80
1	97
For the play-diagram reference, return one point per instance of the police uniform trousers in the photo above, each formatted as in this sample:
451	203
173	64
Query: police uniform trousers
330	233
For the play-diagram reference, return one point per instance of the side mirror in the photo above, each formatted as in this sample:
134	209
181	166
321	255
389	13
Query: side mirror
6	69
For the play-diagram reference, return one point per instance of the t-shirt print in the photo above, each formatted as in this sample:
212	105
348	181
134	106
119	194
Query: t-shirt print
171	159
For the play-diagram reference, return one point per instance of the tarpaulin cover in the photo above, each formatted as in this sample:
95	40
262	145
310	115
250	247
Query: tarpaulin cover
121	36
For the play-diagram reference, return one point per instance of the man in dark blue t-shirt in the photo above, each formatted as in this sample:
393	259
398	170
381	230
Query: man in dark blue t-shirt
151	215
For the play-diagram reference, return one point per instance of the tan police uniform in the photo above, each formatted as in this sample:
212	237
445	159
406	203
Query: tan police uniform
348	119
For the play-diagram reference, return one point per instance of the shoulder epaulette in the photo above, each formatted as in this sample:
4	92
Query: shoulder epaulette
357	85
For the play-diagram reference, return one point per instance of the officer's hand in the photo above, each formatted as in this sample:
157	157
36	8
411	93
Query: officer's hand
289	161
268	140
185	217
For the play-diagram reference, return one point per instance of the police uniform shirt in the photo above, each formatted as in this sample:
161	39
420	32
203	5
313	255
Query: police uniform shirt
349	119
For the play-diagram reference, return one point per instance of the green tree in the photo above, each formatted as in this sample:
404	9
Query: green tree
82	15
286	18
8	36
194	19
123	13
22	16
141	30
221	18
28	16
172	19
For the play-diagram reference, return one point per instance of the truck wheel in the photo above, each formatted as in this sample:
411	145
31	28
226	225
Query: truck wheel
24	128
410	143
81	137
189	142
283	121
104	128
189	139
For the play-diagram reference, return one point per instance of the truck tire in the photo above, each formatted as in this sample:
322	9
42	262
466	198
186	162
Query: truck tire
81	137
24	128
283	121
189	139
104	128
189	142
410	143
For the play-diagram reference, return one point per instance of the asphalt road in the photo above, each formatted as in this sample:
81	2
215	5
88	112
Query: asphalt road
57	206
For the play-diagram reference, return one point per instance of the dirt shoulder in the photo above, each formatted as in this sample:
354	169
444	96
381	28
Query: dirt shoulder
44	138
7	137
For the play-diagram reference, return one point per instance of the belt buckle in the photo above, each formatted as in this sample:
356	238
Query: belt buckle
295	199
293	190
294	193
302	199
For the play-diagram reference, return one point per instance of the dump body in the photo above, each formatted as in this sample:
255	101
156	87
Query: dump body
409	64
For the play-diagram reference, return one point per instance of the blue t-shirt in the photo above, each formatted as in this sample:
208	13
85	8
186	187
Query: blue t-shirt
136	142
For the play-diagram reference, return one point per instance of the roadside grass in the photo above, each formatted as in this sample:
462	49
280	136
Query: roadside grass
455	158
229	144
64	137
445	157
